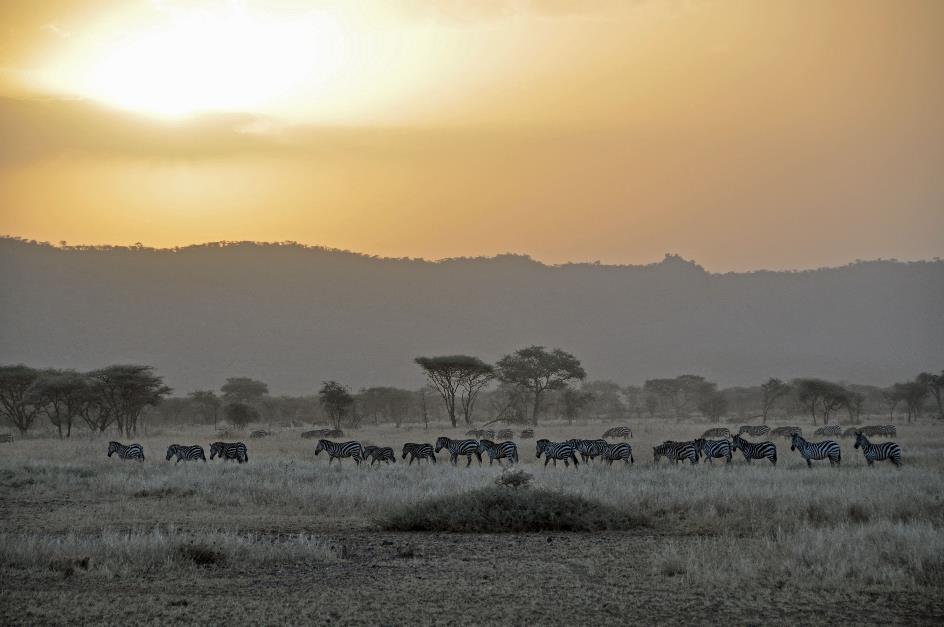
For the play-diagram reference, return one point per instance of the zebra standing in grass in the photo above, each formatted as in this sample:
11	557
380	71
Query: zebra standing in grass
185	453
827	449
755	450
588	449
713	449
229	450
717	432
499	450
676	451
618	432
754	430
878	452
828	430
614	452
556	450
886	430
340	450
129	451
419	451
379	454
459	447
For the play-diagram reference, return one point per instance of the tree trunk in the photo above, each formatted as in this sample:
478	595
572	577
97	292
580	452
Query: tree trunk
536	409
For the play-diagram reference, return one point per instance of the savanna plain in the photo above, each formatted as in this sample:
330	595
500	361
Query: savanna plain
288	538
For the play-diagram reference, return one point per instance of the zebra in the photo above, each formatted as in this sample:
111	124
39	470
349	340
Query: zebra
185	453
419	451
229	450
827	449
459	447
527	434
877	452
505	434
129	451
828	430
713	448
588	449
499	451
618	432
755	450
340	450
621	450
786	432
886	430
261	433
717	432
556	450
676	451
379	454
754	430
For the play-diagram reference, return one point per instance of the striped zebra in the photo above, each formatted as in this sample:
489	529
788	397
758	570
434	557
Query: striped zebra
828	430
379	454
261	433
786	432
888	431
615	452
755	450
459	447
185	453
527	434
878	452
556	450
340	450
713	449
505	434
618	432
754	430
717	432
827	449
129	451
419	451
229	450
588	449
499	451
675	451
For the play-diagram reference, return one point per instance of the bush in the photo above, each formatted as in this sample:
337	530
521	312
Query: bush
498	510
514	478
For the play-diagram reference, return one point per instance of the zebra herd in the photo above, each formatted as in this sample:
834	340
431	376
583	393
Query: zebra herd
184	453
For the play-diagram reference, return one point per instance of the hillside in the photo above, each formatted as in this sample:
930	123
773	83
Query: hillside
294	315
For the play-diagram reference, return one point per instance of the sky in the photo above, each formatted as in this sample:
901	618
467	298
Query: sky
738	133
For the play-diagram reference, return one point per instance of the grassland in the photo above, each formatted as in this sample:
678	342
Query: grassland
286	538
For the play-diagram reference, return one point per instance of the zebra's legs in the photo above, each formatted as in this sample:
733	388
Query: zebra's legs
546	460
809	464
469	460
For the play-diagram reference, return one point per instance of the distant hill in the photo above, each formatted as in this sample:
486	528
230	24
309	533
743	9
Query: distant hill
294	315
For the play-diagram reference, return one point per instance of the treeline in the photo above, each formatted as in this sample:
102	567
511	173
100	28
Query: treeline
523	387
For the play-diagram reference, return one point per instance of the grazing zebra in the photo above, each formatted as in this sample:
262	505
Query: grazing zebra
877	452
713	448
261	433
786	432
618	432
588	449
886	430
755	450
556	450
676	451
827	449
130	451
850	432
505	434
527	434
754	430
717	432
229	450
499	451
6	437
614	452
379	454
339	450
828	430
419	451
185	453
459	447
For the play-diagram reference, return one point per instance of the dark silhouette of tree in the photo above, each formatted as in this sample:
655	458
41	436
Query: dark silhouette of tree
336	400
449	374
60	394
126	390
935	386
912	394
240	414
243	390
573	401
772	391
536	370
713	405
681	393
15	403
825	396
207	404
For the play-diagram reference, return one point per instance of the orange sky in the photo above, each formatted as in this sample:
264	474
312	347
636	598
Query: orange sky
742	134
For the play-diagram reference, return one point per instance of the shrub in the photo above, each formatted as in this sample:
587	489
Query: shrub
514	478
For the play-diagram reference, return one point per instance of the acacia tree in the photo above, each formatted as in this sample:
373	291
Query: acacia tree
772	391
60	395
240	414
15	402
449	374
913	395
713	405
207	403
126	390
935	386
336	399
243	390
573	401
816	393
536	370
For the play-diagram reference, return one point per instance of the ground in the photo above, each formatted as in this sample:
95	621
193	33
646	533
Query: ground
285	538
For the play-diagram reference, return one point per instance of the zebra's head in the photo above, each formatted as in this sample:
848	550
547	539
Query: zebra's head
795	441
486	446
860	440
657	452
737	441
112	447
321	446
539	447
216	448
171	451
442	442
407	448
